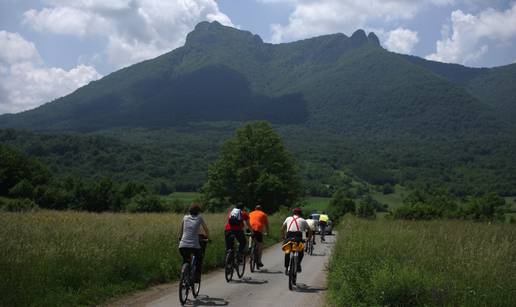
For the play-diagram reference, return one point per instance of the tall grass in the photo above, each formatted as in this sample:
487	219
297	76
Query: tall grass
401	263
68	259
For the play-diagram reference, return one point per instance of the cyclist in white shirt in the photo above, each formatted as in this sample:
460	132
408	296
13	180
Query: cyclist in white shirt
294	226
311	224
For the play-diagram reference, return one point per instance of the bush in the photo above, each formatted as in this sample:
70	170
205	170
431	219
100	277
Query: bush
22	189
18	205
340	205
490	207
146	203
366	208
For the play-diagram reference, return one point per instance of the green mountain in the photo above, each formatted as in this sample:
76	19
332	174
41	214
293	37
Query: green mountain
332	82
496	87
349	110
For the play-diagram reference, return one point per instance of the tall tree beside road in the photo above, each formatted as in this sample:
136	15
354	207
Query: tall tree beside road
254	167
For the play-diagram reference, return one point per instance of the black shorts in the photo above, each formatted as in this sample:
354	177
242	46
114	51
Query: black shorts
258	236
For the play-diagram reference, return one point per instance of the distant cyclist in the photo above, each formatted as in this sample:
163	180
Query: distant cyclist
189	238
235	227
294	226
323	222
259	225
311	225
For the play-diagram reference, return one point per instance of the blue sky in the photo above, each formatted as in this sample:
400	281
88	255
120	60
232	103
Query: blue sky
49	48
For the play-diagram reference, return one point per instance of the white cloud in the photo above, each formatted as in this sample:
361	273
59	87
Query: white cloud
134	30
470	35
311	18
64	20
401	40
25	82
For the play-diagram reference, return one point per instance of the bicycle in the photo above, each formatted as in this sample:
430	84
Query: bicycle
253	253
309	247
230	263
293	248
186	282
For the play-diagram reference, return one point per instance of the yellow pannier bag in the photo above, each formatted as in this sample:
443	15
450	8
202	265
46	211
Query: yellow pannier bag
292	246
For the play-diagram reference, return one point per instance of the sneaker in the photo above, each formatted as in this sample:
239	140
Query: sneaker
259	265
299	269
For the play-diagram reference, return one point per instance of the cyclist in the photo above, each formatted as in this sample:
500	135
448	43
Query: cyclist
259	223
311	224
189	238
237	217
323	221
294	226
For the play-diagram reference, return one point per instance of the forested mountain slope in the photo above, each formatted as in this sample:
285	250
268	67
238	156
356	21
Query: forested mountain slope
332	82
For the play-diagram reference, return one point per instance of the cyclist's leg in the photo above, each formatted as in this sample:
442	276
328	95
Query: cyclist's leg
240	236
198	264
323	231
228	239
258	237
185	253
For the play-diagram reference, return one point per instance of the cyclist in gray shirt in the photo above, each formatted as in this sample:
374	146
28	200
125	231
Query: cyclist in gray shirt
189	237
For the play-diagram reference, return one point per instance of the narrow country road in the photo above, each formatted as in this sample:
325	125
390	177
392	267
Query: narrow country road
268	287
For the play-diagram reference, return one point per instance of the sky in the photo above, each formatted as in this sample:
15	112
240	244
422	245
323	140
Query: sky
49	48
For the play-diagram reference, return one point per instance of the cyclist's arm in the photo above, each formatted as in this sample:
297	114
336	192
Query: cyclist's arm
205	228
267	225
283	227
180	233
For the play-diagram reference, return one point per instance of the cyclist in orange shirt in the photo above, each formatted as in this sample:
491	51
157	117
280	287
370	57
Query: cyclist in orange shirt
259	223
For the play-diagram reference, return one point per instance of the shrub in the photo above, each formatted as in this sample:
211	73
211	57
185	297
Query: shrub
18	205
340	205
146	203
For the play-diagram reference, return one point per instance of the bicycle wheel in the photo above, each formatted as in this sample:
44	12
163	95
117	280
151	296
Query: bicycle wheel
196	287
228	266
240	267
184	283
252	259
291	271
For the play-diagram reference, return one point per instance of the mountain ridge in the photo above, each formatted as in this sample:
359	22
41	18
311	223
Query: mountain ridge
331	82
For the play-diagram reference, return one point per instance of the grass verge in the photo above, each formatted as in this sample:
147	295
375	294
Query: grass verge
401	263
68	259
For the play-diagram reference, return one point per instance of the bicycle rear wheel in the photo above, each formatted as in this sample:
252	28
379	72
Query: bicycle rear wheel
184	283
196	287
252	259
291	271
228	266
240	267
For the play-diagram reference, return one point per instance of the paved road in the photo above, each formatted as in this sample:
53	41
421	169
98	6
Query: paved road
268	287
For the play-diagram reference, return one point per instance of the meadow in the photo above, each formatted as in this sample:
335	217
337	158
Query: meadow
69	258
437	263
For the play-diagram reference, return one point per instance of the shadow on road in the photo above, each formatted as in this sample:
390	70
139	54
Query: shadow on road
308	289
318	255
249	280
204	300
265	271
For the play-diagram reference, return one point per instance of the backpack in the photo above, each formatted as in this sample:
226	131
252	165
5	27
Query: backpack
235	217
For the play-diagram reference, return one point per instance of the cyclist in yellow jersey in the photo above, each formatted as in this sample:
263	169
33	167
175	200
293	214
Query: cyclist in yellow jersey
323	222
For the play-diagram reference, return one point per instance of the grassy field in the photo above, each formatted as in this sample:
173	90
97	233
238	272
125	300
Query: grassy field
438	263
69	259
394	200
315	204
185	197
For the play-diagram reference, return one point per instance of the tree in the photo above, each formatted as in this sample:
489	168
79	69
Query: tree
340	204
254	167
